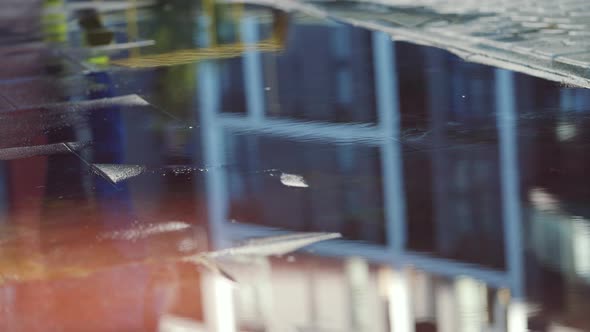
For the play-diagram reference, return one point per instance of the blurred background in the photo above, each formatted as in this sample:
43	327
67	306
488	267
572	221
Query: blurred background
133	133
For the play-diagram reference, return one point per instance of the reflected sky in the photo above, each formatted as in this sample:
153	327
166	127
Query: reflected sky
131	137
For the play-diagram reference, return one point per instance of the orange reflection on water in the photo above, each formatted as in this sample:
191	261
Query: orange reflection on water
64	270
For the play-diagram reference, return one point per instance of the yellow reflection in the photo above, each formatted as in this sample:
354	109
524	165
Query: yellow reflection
217	51
132	31
54	21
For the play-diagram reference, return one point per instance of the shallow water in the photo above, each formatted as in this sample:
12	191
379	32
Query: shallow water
458	188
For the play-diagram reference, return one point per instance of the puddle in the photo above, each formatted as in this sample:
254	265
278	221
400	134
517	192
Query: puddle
226	167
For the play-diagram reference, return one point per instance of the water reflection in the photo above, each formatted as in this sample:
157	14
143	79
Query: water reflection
459	188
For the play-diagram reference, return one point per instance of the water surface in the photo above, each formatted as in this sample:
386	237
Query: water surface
459	189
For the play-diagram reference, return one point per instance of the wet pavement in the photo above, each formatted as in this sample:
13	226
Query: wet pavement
209	166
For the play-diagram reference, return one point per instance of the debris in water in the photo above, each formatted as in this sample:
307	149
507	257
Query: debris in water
87	105
293	180
267	246
275	245
119	172
38	150
142	231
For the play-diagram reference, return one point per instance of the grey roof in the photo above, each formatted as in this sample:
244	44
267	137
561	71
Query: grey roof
543	38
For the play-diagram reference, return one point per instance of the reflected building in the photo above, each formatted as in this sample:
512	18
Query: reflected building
456	186
436	179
